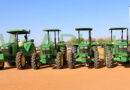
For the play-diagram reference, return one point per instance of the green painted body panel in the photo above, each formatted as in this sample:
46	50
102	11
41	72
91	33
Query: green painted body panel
75	44
52	52
121	59
81	60
44	61
83	44
47	57
61	43
83	57
27	46
10	50
1	57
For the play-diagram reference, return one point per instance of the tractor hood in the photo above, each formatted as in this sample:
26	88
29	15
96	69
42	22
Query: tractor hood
83	44
46	46
61	43
117	43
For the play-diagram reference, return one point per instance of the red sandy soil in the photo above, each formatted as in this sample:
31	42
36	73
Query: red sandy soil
81	78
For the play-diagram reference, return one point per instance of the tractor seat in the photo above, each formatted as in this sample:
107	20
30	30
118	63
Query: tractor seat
20	44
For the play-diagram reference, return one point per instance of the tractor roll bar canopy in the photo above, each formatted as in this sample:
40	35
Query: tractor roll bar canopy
122	29
84	29
18	31
53	30
118	28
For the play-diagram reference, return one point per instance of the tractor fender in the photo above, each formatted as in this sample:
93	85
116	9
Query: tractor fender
1	56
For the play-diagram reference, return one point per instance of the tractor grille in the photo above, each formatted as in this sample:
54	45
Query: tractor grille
46	52
84	50
122	49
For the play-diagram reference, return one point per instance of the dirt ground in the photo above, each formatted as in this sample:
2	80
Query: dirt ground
81	78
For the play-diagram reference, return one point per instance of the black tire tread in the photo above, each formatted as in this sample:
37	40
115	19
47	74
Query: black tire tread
58	61
70	60
33	61
18	61
96	56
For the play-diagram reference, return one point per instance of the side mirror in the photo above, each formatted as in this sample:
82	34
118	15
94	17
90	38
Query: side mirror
32	40
29	30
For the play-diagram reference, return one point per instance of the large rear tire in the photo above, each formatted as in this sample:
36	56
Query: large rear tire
74	49
59	61
109	62
105	53
1	65
20	61
70	61
65	55
96	56
34	61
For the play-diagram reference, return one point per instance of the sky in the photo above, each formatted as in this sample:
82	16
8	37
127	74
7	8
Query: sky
63	14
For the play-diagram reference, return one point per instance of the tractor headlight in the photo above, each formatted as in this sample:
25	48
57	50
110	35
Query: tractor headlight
6	48
85	47
125	46
122	46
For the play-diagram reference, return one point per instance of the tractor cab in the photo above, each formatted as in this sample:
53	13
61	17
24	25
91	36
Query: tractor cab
50	46
11	48
20	32
120	45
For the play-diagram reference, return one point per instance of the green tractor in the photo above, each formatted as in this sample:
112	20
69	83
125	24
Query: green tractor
86	53
51	53
17	53
117	51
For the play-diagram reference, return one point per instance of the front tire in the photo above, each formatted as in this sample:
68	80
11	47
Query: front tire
105	53
65	55
59	60
70	61
34	61
109	62
96	56
20	61
74	49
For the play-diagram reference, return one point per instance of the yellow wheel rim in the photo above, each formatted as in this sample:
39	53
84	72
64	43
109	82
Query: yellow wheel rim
38	63
23	61
62	60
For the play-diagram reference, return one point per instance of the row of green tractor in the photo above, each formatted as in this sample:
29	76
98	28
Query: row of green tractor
21	54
